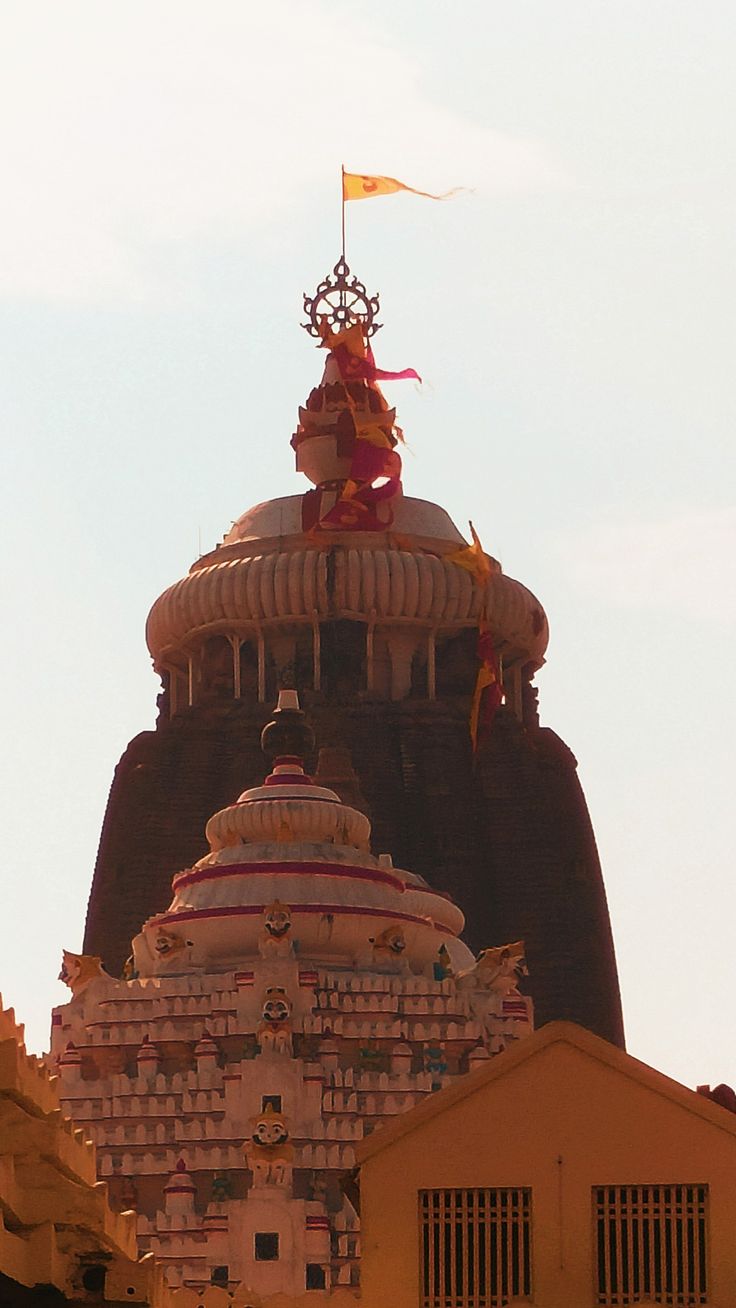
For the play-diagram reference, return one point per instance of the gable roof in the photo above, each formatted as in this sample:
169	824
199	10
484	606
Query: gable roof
505	1064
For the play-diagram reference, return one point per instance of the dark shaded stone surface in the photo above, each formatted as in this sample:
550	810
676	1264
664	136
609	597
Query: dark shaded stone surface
508	836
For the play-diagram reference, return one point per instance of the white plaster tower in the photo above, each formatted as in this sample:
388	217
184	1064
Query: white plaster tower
298	992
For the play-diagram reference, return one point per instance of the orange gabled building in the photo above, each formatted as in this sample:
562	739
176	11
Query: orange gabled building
563	1173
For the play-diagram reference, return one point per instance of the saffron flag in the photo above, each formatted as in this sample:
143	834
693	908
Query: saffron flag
352	369
374	435
356	186
473	559
354	511
354	357
488	693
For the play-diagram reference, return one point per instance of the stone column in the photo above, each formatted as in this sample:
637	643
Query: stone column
402	644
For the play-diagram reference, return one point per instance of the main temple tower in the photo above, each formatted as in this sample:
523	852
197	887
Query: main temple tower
355	595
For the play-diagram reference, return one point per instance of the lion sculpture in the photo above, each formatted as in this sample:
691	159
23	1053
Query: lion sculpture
78	971
269	1152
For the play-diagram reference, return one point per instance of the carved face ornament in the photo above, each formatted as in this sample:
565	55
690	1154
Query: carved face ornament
168	942
278	920
392	939
270	1130
276	1008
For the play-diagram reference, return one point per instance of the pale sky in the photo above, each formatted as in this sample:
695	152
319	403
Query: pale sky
170	187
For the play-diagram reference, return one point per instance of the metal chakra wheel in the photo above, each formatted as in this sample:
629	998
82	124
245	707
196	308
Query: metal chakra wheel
339	301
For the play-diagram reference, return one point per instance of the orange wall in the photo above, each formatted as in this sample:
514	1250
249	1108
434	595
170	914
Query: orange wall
606	1127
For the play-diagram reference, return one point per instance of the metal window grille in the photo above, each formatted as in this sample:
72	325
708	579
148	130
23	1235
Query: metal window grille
651	1244
475	1247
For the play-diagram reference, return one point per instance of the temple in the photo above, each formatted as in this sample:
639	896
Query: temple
297	993
278	966
304	1053
369	604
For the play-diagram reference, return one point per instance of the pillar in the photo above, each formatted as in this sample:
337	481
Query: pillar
261	668
370	663
432	665
401	646
316	653
235	643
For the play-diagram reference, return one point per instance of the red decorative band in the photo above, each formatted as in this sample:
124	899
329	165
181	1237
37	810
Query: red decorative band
273	799
288	779
377	875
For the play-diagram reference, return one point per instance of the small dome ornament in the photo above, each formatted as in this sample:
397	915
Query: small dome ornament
339	301
288	734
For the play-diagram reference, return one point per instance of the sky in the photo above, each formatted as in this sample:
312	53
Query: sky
171	187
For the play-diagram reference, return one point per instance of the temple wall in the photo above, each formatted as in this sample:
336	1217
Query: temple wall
510	840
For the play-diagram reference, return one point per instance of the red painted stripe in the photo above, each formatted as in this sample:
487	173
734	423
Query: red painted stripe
338	910
377	875
288	779
348	870
276	799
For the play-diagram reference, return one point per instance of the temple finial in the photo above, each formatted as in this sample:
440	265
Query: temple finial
340	301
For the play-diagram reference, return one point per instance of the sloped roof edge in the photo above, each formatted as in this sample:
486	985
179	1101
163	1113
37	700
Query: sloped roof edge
504	1064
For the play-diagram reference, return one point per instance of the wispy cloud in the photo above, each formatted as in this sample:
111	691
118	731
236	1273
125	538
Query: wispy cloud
165	120
684	563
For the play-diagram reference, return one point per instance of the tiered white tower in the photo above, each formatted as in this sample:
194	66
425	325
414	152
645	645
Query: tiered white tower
297	992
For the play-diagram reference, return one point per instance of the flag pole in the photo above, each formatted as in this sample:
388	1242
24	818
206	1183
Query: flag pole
342	198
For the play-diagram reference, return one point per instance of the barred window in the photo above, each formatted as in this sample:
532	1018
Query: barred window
475	1247
651	1244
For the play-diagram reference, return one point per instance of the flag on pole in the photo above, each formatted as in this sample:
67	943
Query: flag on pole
473	559
356	186
488	693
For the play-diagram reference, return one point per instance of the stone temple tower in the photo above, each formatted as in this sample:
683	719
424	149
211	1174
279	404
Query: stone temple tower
351	594
297	993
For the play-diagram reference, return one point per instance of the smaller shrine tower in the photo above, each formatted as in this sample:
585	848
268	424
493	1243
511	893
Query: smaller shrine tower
298	992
